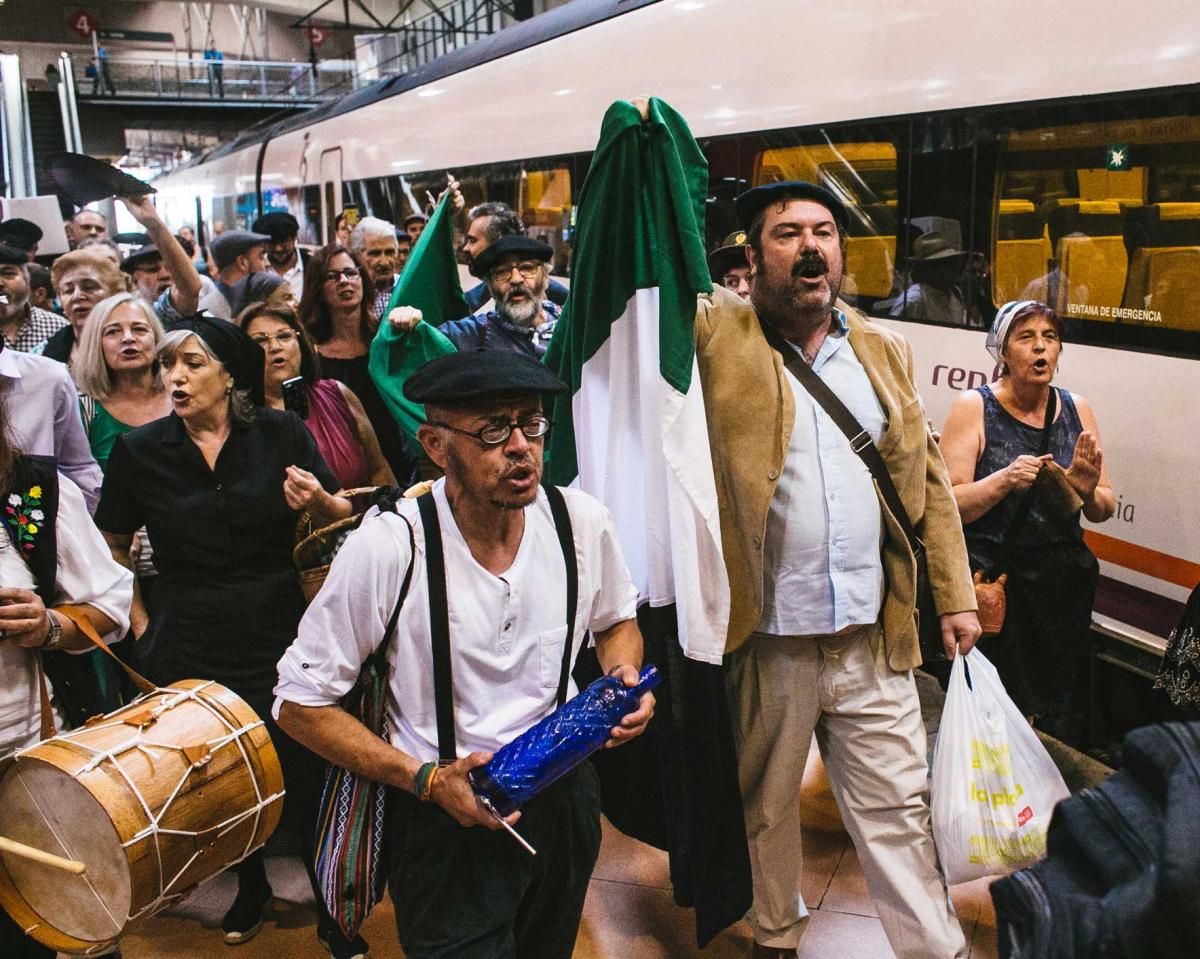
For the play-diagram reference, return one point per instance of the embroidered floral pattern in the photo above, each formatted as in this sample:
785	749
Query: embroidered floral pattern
23	515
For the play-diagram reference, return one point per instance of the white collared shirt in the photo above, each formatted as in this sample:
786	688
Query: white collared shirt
506	632
295	277
822	565
44	418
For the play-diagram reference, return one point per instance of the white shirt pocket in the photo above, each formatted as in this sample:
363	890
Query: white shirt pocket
550	644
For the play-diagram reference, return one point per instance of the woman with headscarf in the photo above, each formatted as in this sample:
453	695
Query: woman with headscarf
332	412
1021	515
335	310
219	485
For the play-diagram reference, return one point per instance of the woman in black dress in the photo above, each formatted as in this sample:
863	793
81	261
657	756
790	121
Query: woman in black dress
219	484
335	310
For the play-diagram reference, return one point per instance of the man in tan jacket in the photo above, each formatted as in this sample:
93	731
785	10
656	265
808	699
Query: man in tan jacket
822	635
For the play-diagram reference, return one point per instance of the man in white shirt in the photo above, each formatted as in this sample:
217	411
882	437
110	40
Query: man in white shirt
457	890
286	258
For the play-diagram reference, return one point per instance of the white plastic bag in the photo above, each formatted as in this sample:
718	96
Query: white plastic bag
994	785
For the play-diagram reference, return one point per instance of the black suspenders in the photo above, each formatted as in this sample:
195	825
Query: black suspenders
439	615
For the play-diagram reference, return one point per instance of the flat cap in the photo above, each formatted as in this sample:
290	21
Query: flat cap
140	257
471	376
21	233
416	218
12	256
512	245
731	253
753	201
278	225
228	246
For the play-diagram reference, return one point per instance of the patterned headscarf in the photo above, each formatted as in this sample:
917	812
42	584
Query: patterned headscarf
1000	325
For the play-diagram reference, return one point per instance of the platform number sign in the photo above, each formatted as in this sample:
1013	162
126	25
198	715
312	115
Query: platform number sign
1117	156
83	23
317	34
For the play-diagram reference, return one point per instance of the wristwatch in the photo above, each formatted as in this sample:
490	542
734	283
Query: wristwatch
54	637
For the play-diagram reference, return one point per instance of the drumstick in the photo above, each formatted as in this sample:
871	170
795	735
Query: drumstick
45	858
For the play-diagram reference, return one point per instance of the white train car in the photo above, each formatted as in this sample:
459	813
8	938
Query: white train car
1058	143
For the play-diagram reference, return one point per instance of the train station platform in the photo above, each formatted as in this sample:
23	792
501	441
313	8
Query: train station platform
629	913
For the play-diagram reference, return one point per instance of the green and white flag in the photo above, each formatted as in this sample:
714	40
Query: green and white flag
632	432
429	283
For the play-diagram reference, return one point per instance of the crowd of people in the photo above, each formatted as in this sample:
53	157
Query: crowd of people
198	415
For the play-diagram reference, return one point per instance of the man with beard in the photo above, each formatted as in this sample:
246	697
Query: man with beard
516	273
375	240
24	325
286	259
822	635
486	223
460	886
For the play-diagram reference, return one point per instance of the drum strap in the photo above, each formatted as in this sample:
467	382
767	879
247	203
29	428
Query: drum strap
439	615
78	616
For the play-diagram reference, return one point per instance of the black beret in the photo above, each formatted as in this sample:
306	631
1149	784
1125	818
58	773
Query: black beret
242	358
11	256
140	257
278	225
460	379
82	179
513	244
752	202
20	233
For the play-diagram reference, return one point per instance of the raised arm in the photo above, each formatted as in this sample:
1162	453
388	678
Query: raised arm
185	281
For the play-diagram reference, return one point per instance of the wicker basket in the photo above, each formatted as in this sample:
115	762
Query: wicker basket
314	553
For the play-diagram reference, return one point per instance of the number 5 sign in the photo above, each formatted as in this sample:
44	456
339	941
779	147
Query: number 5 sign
83	23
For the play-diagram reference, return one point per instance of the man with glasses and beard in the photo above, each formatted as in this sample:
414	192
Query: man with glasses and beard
461	886
516	271
822	634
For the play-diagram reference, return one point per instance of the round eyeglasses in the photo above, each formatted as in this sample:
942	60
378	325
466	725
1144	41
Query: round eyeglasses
534	427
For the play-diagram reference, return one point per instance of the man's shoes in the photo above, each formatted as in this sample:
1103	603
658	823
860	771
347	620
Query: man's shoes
772	952
245	917
338	945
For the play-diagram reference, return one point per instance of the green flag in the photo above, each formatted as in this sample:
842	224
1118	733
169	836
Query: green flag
633	431
429	283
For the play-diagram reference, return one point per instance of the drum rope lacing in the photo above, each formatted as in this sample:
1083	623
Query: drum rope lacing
138	742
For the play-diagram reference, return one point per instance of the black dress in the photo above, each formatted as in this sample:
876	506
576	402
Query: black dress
393	442
227	602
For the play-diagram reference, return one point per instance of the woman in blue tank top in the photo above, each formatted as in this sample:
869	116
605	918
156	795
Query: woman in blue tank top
991	444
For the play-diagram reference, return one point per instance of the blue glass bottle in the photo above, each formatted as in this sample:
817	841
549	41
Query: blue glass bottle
559	743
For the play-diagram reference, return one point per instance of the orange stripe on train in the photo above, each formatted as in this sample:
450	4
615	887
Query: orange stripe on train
1162	566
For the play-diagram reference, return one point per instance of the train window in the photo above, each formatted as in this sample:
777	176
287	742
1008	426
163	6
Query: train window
544	205
225	212
1102	221
310	218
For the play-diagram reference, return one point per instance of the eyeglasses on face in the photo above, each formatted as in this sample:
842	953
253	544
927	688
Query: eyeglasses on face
350	273
527	268
534	427
283	338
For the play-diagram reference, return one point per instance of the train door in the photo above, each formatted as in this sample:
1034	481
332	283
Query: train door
331	191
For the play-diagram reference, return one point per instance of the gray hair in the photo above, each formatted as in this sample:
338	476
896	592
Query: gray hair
368	227
502	220
89	369
241	405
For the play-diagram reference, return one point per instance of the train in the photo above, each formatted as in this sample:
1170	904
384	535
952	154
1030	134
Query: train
1058	144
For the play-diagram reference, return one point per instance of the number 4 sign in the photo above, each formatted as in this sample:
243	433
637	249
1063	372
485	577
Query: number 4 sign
83	23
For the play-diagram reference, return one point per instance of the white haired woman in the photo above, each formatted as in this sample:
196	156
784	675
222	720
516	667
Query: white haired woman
219	484
996	447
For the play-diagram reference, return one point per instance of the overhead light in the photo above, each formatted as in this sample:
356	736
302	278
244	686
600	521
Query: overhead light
431	92
563	92
396	164
689	7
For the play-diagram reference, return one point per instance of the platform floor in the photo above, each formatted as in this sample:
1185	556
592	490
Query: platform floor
629	912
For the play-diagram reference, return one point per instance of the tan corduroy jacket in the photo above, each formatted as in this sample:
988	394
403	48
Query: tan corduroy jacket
750	412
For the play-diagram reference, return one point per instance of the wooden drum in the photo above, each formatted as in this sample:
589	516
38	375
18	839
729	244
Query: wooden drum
153	799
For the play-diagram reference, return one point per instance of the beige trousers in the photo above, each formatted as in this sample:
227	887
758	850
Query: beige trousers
867	720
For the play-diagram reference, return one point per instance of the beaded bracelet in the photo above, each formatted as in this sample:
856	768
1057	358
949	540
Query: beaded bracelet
423	781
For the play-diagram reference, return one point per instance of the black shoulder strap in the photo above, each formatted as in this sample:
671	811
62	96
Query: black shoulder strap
566	540
1008	544
439	628
379	656
860	439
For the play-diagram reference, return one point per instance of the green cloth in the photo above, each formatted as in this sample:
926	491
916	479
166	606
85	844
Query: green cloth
640	226
429	283
103	433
